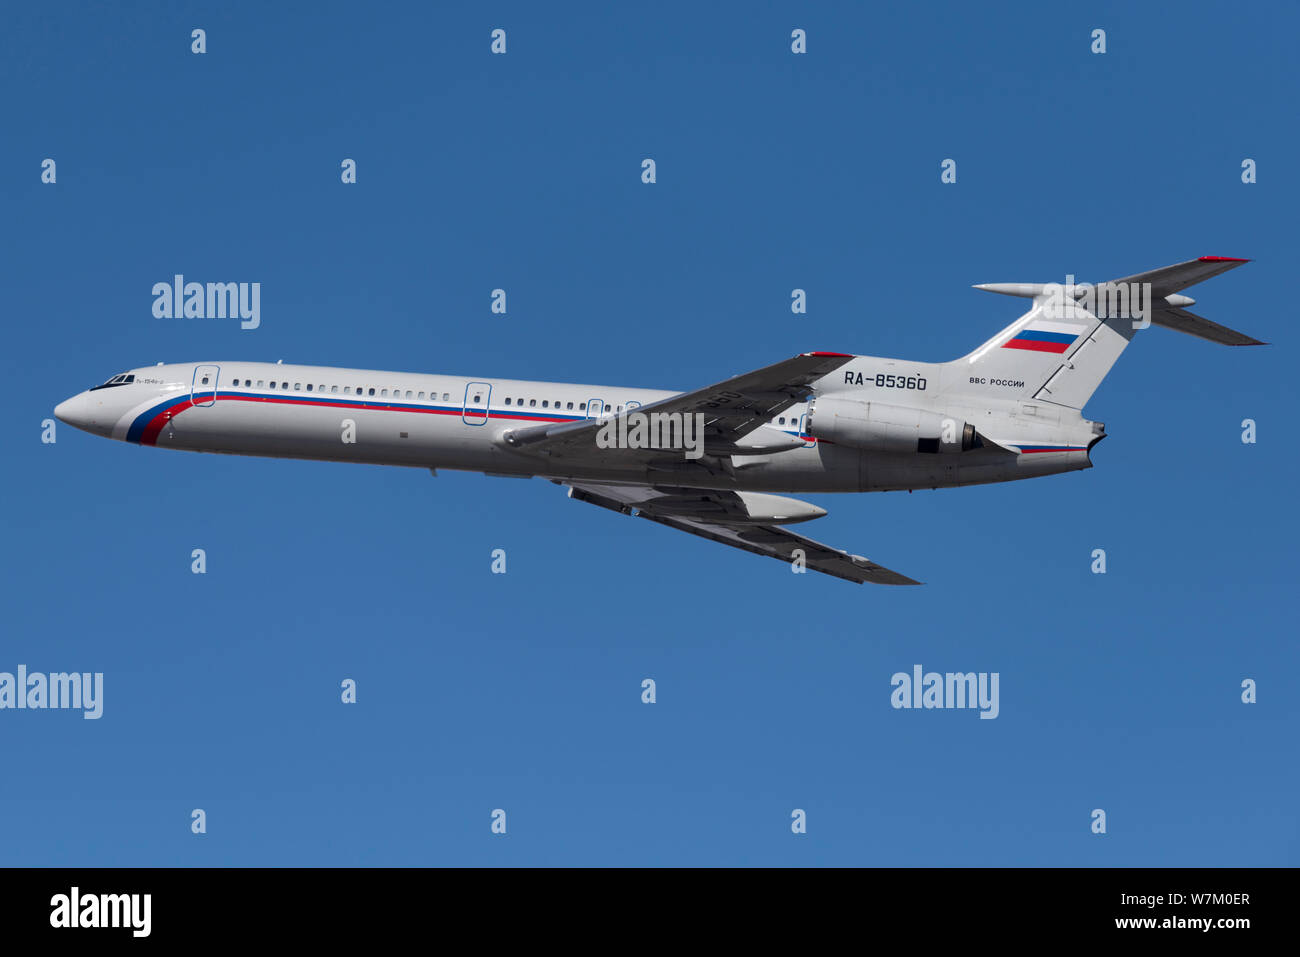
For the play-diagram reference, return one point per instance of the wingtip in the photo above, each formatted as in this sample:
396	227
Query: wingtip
1222	259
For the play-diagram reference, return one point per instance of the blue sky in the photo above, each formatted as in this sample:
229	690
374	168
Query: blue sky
522	691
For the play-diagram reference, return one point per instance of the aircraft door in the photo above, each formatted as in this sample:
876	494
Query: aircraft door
203	388
595	408
477	397
803	431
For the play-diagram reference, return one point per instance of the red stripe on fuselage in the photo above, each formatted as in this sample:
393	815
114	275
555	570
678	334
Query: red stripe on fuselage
155	426
150	434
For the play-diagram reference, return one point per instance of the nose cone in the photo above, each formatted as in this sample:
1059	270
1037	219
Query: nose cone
83	412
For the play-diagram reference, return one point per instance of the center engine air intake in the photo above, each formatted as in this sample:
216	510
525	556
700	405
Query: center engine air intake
888	428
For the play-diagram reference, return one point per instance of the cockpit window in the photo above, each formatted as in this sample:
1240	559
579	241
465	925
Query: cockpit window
124	378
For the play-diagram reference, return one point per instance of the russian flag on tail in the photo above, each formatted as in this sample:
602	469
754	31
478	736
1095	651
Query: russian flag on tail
1043	335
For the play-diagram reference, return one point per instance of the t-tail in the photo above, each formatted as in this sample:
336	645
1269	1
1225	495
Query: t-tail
1061	349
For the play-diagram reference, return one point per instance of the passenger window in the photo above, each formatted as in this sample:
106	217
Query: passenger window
260	383
569	406
582	406
297	387
444	397
420	396
543	401
308	386
382	392
372	390
272	385
532	402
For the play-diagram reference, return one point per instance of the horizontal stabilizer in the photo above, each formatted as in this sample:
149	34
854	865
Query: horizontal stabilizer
1194	325
1167	311
1165	303
1171	279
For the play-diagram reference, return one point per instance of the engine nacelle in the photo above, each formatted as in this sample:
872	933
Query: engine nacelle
888	428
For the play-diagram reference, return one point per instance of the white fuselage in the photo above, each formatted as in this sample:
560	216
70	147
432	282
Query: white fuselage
454	422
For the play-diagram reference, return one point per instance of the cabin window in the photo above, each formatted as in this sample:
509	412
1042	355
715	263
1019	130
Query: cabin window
569	406
261	383
272	385
308	386
582	406
532	402
297	387
420	396
543	401
334	389
372	390
444	397
382	392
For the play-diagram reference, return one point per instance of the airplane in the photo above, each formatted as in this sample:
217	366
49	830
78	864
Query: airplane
817	422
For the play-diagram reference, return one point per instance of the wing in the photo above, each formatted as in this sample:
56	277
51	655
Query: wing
731	409
745	520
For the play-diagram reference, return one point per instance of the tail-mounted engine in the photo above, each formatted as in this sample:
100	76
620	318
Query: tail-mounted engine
888	428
